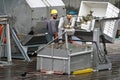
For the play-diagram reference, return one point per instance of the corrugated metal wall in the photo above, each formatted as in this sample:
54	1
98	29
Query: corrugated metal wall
1	7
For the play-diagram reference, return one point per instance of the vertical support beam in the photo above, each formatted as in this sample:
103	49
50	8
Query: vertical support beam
67	48
96	45
52	54
8	43
66	40
96	58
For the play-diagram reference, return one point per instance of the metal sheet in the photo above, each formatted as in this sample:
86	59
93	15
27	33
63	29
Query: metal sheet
55	2
1	7
35	3
59	60
81	61
36	40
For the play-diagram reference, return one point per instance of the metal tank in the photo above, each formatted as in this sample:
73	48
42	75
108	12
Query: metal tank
30	13
26	15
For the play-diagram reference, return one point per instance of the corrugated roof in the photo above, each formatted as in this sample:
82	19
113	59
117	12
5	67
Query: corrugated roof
56	2
35	3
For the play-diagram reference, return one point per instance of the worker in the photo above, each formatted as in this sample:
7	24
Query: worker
51	25
65	23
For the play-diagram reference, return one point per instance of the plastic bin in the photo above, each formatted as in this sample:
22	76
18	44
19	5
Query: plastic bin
101	10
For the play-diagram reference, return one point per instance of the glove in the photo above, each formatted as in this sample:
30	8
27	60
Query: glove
56	34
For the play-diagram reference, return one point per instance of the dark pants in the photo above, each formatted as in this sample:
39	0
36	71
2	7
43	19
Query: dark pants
49	37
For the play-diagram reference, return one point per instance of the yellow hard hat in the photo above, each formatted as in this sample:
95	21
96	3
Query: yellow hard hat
54	11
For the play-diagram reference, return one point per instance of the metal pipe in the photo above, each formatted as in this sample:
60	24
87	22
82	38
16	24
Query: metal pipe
8	43
55	57
83	52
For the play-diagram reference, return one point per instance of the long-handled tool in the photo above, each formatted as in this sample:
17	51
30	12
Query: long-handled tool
47	44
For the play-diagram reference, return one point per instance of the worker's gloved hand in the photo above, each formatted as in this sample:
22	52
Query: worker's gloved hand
56	34
56	37
71	27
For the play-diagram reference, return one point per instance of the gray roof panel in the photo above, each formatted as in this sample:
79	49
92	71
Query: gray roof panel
56	2
35	3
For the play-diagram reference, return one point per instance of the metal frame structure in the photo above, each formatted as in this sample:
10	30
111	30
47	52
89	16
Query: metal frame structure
101	61
100	58
5	34
63	60
27	14
6	47
22	48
